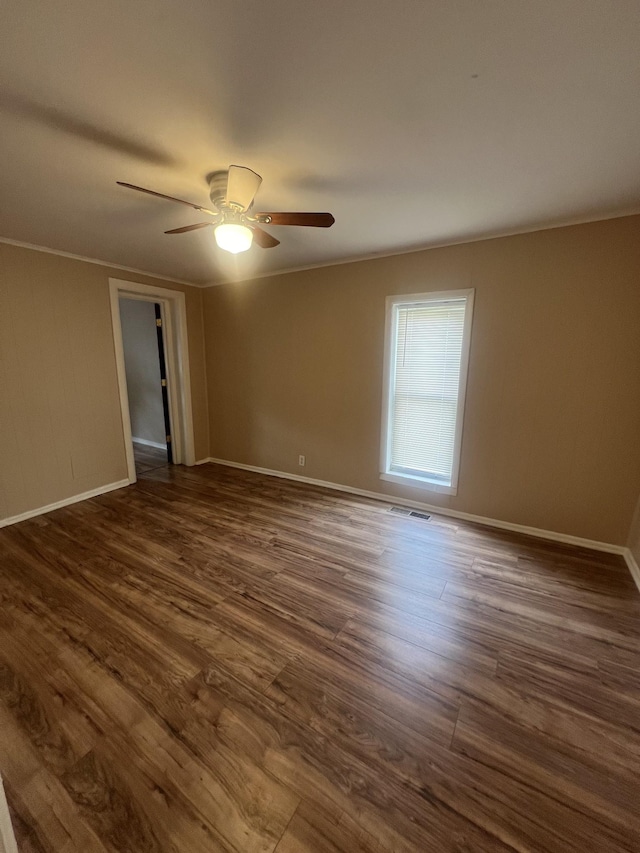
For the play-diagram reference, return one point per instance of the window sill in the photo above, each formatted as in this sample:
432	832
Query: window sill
419	483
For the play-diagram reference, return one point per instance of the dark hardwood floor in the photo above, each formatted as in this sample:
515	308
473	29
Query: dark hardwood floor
149	458
213	660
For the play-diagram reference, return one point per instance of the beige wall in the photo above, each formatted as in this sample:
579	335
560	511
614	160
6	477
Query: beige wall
294	365
60	427
142	367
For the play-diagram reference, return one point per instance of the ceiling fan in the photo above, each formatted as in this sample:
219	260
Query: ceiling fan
232	193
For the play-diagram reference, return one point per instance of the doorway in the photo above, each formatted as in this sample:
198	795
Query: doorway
147	388
150	340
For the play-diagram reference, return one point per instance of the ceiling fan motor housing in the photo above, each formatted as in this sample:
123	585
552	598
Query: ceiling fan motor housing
218	187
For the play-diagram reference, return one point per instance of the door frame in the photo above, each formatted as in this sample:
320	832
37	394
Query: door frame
174	328
164	387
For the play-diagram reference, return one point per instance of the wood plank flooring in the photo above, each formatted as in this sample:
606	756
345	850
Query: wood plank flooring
149	458
213	660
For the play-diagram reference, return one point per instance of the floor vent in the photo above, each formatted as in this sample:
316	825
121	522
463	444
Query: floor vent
410	513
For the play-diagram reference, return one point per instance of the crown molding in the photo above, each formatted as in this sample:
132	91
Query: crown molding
22	245
372	256
427	246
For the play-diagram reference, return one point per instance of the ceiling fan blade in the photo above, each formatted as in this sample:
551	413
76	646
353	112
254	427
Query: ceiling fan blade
264	240
317	220
168	198
242	185
186	228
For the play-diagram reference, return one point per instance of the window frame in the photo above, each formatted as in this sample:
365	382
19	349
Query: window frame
390	340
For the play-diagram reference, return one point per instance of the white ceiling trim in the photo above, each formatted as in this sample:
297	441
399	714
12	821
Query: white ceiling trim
635	211
274	273
97	261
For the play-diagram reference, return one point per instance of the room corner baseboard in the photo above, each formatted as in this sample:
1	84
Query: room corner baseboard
537	532
101	490
7	838
148	443
634	568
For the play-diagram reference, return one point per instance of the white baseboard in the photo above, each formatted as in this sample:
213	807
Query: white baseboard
7	838
538	532
148	443
31	513
633	566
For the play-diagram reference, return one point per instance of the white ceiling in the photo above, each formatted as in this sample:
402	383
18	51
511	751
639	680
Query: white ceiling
414	122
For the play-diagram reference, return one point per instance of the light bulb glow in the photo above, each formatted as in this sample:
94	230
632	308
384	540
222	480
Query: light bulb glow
233	238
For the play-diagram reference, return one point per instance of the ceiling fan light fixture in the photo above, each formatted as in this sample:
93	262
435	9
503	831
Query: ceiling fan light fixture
233	237
232	193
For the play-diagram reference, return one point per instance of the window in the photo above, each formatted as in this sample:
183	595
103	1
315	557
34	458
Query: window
426	358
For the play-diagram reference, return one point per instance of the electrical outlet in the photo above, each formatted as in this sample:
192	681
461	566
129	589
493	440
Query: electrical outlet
301	460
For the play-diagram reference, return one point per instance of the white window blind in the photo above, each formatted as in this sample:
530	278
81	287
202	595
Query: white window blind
429	345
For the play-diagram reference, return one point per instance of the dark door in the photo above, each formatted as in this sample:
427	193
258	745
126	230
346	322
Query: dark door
163	380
